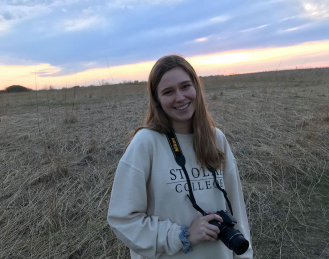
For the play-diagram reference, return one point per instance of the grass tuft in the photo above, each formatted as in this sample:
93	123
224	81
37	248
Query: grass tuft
70	118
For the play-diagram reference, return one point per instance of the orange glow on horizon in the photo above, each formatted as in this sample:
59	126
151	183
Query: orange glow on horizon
313	54
259	54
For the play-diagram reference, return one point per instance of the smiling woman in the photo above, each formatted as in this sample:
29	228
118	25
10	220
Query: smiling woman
176	95
149	209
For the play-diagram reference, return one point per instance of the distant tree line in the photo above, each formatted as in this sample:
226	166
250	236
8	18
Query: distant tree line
15	89
130	82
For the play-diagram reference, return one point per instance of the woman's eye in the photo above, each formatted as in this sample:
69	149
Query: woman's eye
167	92
186	86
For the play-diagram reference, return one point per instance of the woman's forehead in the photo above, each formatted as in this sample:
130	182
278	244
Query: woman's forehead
174	77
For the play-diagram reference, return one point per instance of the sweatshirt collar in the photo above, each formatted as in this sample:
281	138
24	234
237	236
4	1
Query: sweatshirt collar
185	137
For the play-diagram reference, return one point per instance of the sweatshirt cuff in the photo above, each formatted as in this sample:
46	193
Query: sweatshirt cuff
176	243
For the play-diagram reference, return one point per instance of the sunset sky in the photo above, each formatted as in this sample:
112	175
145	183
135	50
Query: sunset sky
83	42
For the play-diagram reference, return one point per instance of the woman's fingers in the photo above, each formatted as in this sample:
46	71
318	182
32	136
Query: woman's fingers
213	228
213	217
212	234
201	230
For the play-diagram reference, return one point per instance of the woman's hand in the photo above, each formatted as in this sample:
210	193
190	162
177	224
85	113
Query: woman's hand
201	230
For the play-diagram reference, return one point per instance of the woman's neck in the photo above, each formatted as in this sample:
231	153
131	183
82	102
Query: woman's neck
182	127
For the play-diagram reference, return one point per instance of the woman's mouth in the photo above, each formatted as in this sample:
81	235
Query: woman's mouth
183	107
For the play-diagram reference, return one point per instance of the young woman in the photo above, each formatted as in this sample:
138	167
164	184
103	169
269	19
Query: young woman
149	209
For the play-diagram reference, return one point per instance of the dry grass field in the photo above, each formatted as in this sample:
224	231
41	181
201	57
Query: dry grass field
59	150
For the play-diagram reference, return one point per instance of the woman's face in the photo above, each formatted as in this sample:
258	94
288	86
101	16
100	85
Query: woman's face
177	96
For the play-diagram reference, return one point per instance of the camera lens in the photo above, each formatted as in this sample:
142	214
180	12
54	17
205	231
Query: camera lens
234	240
239	244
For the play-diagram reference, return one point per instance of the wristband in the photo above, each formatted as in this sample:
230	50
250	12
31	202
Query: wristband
183	237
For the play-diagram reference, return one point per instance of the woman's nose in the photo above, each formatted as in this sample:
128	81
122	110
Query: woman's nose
179	96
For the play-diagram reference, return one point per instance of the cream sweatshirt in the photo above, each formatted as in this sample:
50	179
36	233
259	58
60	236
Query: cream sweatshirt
149	200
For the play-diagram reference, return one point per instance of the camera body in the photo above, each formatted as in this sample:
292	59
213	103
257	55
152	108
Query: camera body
231	237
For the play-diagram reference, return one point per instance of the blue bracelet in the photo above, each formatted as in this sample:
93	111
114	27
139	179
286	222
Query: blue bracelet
183	237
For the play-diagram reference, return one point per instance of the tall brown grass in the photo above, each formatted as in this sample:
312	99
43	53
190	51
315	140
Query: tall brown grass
56	182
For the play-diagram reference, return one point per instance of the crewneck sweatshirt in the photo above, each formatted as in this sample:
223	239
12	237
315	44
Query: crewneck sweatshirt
149	202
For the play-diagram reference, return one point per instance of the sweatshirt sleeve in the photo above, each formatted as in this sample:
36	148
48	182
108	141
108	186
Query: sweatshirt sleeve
146	235
234	191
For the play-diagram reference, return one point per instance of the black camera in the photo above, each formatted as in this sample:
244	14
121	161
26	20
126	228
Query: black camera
231	237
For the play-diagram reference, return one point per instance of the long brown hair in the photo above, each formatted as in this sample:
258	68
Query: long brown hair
204	142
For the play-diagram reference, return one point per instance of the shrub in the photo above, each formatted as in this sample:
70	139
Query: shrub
16	89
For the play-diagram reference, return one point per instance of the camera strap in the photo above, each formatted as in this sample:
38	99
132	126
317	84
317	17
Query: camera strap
212	170
180	160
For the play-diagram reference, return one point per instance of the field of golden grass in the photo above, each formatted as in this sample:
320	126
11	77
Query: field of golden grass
59	150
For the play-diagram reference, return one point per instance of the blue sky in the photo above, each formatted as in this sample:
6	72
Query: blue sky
77	35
